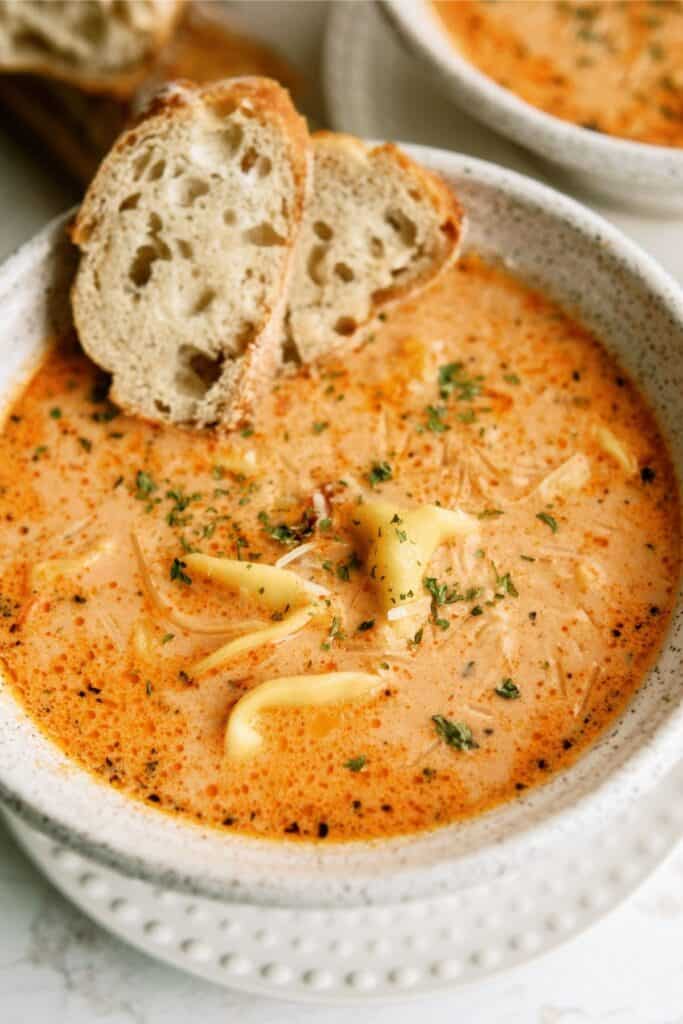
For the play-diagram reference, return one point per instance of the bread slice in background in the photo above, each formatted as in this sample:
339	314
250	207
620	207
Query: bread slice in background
187	237
79	128
377	229
98	45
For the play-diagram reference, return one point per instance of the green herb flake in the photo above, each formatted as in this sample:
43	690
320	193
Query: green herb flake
508	690
356	764
56	413
178	573
144	485
511	378
490	513
379	472
548	520
166	639
454	734
289	534
364	626
85	444
453	381
435	421
39	452
319	427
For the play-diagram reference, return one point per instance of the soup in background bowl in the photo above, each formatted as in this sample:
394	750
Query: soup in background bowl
487	394
493	59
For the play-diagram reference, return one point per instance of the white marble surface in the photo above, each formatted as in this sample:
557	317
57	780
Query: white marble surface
56	967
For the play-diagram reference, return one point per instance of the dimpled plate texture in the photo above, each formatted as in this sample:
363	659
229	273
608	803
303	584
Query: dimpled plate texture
638	311
376	953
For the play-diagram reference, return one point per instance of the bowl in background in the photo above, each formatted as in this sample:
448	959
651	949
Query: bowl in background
617	168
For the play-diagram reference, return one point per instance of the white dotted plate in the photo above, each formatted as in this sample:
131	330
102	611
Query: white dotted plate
383	952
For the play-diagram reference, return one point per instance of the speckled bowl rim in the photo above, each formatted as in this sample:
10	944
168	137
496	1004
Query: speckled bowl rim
563	142
51	793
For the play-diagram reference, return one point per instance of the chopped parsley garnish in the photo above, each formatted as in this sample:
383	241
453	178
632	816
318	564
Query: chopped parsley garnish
439	591
355	764
319	427
56	413
364	626
454	734
325	524
490	513
286	534
477	610
181	501
511	378
144	485
379	472
247	431
504	585
527	558
217	472
548	520
417	639
335	632
508	690
344	569
85	444
435	421
178	571
454	381
39	452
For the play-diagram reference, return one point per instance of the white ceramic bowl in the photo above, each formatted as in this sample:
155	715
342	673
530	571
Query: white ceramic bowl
650	175
638	311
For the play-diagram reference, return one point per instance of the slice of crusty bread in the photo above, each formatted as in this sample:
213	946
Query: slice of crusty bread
377	228
79	128
97	45
187	237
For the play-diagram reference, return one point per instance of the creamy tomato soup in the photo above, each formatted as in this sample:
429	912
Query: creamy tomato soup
614	67
480	433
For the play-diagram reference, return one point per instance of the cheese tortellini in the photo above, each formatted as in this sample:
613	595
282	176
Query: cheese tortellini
397	544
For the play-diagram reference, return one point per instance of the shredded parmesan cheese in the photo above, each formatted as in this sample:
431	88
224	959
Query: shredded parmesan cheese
45	573
295	553
617	449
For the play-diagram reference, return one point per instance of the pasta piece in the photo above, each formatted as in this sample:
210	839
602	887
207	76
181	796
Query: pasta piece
242	738
398	544
276	588
568	478
45	573
274	634
617	449
189	622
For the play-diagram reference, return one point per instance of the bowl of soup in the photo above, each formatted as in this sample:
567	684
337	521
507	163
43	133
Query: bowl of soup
415	626
595	88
